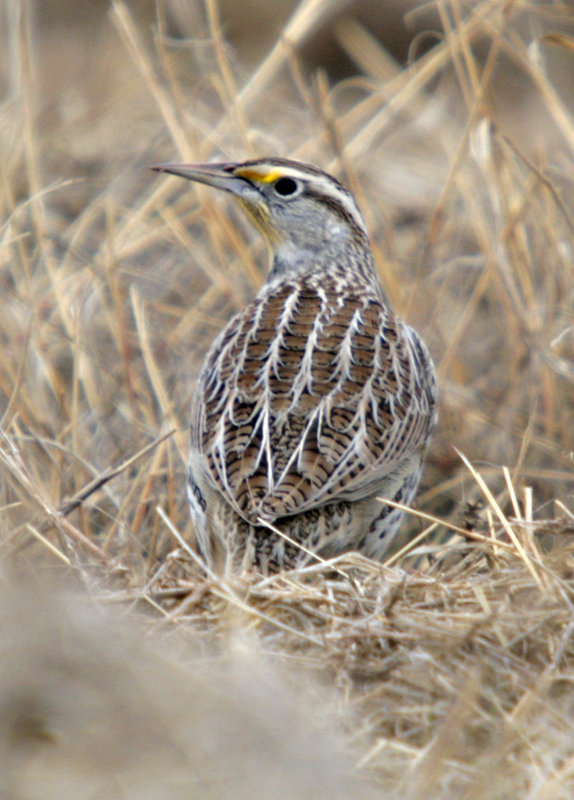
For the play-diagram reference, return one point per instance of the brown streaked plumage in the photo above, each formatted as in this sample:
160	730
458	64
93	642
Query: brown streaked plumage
316	400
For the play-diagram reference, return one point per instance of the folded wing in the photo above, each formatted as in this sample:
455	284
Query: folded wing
312	394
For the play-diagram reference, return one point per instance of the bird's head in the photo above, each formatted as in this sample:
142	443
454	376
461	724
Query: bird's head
300	210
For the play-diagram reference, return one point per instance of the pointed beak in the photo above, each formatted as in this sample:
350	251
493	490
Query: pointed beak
220	176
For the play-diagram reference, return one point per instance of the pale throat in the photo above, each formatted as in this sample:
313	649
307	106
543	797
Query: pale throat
291	256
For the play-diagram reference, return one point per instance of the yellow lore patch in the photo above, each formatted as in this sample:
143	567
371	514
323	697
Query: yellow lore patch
251	174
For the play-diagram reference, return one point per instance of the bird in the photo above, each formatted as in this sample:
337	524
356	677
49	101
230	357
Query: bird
316	402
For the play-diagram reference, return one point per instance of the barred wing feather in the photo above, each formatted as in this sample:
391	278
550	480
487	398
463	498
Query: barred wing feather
310	395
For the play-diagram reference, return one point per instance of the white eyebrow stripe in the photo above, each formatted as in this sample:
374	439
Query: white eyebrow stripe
341	196
324	185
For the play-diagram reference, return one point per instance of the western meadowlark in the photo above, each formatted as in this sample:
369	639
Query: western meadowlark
316	402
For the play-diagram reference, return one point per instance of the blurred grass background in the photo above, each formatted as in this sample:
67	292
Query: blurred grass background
453	124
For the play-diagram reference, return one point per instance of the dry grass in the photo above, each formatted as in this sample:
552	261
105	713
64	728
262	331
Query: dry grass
452	667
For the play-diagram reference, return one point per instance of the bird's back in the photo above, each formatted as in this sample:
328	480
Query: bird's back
314	394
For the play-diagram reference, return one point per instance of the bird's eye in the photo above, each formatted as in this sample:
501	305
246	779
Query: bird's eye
286	186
